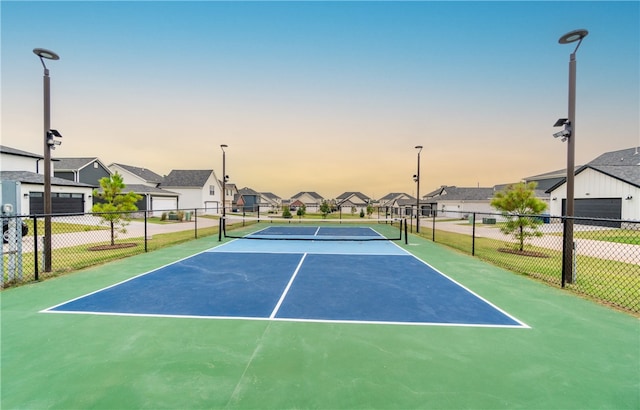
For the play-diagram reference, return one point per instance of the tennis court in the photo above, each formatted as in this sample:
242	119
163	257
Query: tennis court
332	322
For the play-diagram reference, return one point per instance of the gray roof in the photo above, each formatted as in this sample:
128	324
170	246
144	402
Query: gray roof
33	178
547	175
346	195
393	195
247	191
145	189
623	165
143	173
310	193
453	193
13	151
193	178
623	157
270	195
73	164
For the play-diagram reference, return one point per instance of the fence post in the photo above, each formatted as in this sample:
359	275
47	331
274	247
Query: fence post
35	248
433	228
195	221
473	234
146	236
406	238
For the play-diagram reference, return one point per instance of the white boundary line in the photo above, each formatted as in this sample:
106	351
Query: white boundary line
47	310
272	316
290	320
286	290
522	324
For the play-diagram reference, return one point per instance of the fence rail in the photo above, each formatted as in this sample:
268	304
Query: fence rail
82	240
606	262
606	257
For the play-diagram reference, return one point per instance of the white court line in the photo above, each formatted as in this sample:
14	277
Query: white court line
522	324
291	320
277	307
286	290
124	281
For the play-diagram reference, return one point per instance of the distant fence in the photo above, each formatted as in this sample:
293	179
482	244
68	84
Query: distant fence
606	260
82	240
606	263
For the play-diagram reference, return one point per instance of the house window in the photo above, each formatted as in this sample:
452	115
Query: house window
95	165
212	190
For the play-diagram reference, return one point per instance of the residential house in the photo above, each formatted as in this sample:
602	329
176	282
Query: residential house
459	202
396	204
270	203
198	189
548	179
146	183
354	202
247	200
311	200
606	187
230	194
86	170
25	169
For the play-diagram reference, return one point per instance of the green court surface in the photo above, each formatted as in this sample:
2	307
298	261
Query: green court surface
576	355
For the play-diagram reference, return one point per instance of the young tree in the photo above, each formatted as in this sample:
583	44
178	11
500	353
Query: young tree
302	210
369	210
325	209
518	204
115	207
286	213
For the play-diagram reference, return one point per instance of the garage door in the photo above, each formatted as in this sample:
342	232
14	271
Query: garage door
162	203
61	203
602	208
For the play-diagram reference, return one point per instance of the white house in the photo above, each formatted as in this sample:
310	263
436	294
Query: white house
353	201
26	169
311	200
145	182
459	202
270	203
607	187
198	189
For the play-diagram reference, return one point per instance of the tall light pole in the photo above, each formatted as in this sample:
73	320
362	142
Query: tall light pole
224	181
417	179
569	134
49	143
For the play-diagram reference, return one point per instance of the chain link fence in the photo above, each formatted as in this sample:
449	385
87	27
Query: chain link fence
82	240
605	264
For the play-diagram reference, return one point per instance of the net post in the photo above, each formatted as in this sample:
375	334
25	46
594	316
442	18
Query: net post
406	238
220	223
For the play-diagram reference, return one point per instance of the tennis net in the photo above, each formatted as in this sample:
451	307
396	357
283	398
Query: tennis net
241	227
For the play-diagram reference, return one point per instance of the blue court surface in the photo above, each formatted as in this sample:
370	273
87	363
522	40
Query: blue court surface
355	282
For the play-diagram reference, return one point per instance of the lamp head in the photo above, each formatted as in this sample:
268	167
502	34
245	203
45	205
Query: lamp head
573	36
44	53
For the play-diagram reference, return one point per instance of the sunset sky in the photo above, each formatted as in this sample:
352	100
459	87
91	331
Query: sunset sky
323	96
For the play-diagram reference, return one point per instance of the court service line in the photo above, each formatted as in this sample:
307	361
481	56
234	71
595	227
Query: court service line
50	309
286	290
522	324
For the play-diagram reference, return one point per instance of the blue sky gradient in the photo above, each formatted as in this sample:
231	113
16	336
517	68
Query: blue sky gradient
324	96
